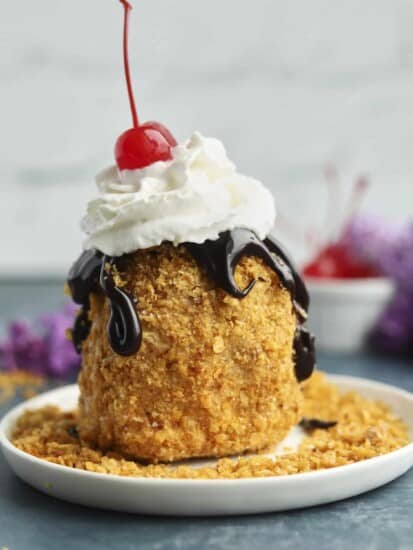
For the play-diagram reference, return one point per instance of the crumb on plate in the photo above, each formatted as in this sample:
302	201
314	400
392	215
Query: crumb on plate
22	381
364	429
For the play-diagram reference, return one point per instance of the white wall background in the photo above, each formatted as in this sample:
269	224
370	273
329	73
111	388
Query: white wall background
288	86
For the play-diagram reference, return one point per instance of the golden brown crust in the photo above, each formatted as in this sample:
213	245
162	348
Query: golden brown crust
214	375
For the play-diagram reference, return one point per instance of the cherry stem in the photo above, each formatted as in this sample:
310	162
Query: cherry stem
358	192
332	220
128	7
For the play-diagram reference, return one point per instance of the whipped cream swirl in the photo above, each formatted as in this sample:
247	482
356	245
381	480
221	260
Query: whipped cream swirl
194	197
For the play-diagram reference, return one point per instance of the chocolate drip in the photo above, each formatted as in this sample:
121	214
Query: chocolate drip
84	275
88	275
310	424
301	298
72	431
219	258
124	328
304	342
83	279
304	352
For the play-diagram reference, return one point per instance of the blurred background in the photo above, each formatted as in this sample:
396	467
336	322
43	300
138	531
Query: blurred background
309	96
290	87
299	92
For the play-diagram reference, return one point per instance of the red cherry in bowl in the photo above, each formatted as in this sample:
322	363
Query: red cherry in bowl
335	262
141	146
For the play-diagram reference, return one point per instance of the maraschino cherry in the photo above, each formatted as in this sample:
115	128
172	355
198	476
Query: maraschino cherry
146	143
335	260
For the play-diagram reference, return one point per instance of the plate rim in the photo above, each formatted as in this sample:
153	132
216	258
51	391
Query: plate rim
16	411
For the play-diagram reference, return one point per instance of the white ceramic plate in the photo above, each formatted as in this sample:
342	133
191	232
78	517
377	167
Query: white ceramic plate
211	497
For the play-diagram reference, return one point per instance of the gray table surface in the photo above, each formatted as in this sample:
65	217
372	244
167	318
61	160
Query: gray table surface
381	519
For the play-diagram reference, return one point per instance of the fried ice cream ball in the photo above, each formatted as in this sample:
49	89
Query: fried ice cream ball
214	375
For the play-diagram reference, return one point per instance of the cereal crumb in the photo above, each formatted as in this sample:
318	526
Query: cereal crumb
19	381
364	429
219	345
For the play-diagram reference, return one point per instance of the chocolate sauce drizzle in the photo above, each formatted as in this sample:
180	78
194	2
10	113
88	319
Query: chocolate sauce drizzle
124	327
92	273
82	280
311	424
219	258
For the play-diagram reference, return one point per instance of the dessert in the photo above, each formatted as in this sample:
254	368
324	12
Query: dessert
191	327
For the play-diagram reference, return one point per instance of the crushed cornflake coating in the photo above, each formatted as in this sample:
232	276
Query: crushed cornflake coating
19	381
364	429
203	383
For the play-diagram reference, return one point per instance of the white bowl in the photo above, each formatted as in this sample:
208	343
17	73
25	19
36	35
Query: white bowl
342	311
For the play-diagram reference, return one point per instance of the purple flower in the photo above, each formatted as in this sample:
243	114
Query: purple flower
370	238
397	262
394	331
43	350
23	349
62	357
389	248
